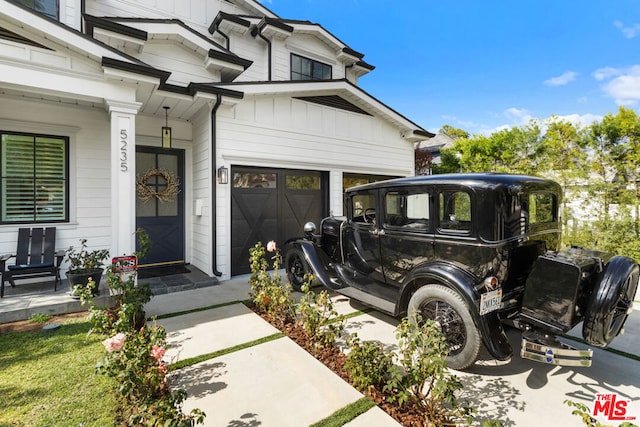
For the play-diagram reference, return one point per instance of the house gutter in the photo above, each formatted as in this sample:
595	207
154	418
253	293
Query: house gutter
214	188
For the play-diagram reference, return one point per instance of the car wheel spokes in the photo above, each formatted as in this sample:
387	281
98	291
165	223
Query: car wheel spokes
450	322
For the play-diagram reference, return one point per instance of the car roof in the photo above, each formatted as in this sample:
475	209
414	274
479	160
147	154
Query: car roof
486	180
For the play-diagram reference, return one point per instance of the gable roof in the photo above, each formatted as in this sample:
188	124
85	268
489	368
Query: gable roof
283	28
114	31
325	92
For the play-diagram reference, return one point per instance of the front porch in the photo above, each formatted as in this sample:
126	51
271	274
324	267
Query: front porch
29	299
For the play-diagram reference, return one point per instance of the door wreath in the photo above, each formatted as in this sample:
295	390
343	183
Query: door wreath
147	192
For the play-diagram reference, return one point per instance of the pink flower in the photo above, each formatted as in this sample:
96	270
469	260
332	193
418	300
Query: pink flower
114	343
162	368
271	246
157	352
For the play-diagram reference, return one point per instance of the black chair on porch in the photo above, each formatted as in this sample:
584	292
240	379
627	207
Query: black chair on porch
35	256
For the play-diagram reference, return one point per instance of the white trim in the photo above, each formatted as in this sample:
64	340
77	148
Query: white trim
61	34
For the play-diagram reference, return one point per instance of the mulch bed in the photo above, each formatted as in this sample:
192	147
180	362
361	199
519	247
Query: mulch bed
28	325
334	359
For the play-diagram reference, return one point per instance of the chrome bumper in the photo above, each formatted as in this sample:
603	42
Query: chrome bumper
561	354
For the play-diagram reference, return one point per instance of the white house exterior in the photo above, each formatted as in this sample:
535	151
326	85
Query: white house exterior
275	102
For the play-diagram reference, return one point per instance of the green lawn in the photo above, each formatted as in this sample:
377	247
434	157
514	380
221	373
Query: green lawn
49	379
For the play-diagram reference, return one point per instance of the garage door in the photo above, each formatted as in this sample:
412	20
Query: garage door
272	204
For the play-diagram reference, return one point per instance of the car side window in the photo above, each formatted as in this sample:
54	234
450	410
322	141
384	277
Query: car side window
455	211
363	208
407	210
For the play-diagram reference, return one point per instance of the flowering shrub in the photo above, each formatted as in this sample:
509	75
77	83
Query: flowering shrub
114	343
267	291
134	355
318	316
135	361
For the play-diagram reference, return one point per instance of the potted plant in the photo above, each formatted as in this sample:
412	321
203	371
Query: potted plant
85	264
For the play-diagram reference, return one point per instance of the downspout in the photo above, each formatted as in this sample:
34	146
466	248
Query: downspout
83	9
259	32
214	188
226	38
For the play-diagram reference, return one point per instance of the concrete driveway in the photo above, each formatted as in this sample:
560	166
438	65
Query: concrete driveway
526	393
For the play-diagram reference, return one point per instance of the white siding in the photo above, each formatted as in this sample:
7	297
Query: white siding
308	47
89	158
186	66
70	12
291	131
195	13
200	239
285	130
253	49
50	59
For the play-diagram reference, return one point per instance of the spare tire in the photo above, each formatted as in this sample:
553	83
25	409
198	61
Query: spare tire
611	301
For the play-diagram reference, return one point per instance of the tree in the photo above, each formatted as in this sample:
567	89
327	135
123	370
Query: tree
454	133
614	156
423	161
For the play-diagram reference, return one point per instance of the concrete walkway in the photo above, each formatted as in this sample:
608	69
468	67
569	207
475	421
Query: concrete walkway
278	384
275	383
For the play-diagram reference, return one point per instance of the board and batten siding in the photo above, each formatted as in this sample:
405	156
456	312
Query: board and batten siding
200	238
89	168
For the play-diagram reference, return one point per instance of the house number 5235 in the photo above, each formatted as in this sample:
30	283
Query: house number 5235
124	161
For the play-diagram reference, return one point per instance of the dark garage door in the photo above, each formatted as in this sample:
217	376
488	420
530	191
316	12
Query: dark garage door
272	204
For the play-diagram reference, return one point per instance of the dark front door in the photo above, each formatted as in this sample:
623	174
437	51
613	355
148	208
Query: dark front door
160	203
272	204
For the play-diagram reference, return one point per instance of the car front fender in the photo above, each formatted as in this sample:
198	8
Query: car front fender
493	335
317	260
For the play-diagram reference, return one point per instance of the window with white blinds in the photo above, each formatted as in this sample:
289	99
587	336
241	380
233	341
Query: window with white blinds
33	178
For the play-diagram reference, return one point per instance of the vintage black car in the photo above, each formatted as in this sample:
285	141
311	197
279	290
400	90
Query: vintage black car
472	252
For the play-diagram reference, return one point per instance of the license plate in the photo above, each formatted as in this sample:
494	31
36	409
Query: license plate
490	301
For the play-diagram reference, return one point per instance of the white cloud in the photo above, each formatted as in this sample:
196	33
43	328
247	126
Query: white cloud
605	73
561	80
629	32
623	85
578	120
518	116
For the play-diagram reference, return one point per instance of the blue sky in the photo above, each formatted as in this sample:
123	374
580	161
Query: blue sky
482	65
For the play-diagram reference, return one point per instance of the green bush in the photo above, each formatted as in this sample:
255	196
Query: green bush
368	363
267	291
318	316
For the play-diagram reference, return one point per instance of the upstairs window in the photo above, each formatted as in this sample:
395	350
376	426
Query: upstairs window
33	178
307	69
46	7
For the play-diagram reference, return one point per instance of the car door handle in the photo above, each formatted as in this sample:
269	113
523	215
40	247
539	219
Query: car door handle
377	232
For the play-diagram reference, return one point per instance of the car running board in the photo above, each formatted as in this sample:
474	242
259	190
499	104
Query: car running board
368	299
565	355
